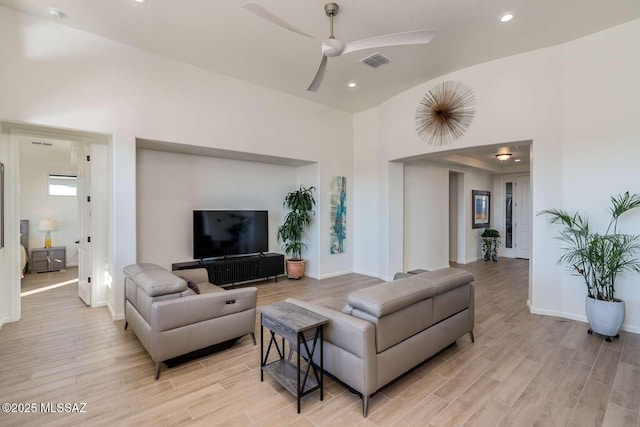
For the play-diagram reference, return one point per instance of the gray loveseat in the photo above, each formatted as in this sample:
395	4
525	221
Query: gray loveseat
171	320
385	330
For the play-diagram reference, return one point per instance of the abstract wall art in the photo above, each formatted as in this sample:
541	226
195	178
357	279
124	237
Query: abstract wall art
445	112
338	214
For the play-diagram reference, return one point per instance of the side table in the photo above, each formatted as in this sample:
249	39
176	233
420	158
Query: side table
48	259
297	325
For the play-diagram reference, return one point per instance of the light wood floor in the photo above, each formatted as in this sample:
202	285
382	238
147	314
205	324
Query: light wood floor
522	370
33	281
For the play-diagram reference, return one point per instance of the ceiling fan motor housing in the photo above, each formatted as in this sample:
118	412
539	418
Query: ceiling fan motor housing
332	47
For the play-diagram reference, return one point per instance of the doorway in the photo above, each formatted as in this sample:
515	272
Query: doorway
456	218
15	135
517	216
48	213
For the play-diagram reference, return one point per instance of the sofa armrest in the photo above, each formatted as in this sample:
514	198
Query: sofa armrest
178	312
196	275
354	335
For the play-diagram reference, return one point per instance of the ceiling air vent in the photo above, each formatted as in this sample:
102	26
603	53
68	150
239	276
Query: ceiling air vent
375	60
45	144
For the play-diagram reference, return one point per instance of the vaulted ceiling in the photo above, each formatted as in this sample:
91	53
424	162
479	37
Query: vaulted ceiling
224	37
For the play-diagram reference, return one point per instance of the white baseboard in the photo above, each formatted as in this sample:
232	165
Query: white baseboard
370	274
6	320
115	316
625	326
469	261
336	274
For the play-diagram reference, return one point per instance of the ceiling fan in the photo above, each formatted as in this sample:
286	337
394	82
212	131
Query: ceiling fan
333	47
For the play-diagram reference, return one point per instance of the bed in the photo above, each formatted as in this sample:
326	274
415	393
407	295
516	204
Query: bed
24	246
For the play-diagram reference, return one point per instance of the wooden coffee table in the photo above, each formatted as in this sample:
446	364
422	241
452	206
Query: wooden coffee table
298	326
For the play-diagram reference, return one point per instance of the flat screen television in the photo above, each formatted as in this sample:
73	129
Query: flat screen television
229	233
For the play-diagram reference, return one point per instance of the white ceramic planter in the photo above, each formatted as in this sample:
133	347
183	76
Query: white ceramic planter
605	317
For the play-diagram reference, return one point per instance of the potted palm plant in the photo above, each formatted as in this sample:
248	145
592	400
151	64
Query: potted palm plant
300	204
599	258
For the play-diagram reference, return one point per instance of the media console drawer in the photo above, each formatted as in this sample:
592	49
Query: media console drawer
238	269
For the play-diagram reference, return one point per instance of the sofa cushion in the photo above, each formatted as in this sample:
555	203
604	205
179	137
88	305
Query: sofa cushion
208	288
446	279
398	326
134	269
389	297
160	282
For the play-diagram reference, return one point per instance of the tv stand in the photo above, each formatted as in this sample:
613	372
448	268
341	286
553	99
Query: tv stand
224	271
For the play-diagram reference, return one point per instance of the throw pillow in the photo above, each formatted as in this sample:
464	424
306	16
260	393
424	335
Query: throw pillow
191	285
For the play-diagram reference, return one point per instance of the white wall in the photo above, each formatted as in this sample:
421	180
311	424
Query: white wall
308	176
108	87
426	216
453	216
600	151
36	204
370	190
427	195
171	186
576	102
473	238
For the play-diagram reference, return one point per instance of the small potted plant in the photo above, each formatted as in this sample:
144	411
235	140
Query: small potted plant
300	204
599	258
490	243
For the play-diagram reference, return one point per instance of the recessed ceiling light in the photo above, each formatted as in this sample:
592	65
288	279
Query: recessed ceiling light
506	17
352	84
55	12
516	160
139	1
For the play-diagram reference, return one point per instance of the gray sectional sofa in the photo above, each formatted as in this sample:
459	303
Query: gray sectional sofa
171	320
385	330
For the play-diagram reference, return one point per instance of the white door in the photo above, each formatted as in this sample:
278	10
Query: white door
522	223
84	242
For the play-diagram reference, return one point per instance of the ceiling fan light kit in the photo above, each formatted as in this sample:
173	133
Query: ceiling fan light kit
333	47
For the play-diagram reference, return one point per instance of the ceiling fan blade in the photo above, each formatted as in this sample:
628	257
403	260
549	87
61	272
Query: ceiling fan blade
398	39
265	14
315	84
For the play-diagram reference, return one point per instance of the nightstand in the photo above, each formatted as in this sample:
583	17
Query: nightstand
48	259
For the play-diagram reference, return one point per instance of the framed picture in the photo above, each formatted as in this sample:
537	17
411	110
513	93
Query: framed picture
481	209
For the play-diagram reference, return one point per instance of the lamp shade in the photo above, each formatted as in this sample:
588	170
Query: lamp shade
48	225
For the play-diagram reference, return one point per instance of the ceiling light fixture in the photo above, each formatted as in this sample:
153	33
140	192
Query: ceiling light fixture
517	160
139	1
55	12
506	17
503	156
352	84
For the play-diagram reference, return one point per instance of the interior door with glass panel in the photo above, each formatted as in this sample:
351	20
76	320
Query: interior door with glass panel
84	210
522	217
517	217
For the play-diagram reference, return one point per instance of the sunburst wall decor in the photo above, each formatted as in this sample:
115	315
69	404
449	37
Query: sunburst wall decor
445	113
